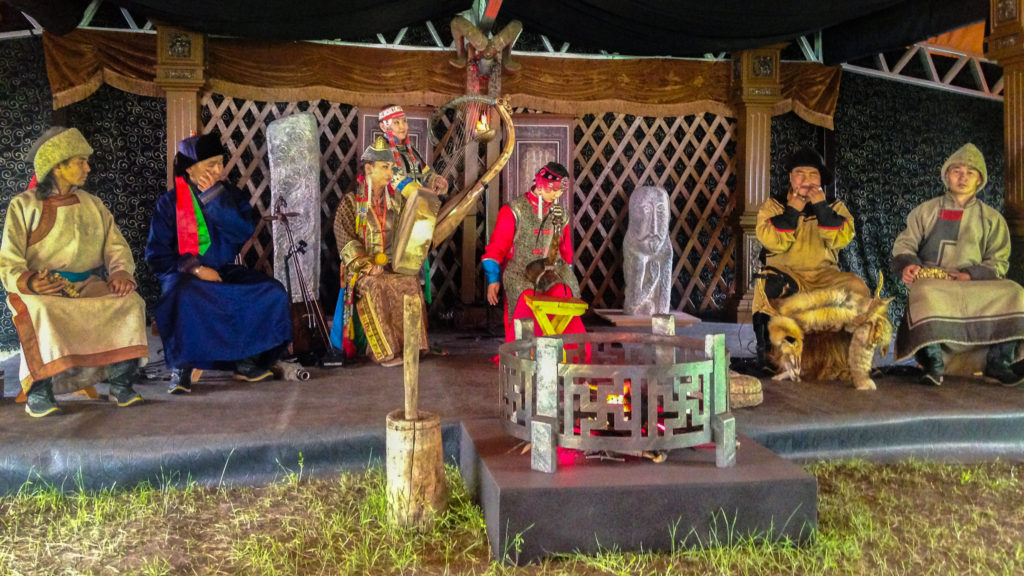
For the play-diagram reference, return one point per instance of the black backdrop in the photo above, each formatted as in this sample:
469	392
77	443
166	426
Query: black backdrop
25	111
126	131
890	141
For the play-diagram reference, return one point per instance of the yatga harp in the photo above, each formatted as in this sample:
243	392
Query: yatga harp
469	118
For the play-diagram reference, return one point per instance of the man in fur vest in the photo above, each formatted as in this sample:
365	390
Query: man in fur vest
802	233
953	256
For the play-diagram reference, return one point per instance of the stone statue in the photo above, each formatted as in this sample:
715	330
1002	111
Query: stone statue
647	254
294	151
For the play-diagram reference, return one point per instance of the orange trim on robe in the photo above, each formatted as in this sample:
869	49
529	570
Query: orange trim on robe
49	216
38	370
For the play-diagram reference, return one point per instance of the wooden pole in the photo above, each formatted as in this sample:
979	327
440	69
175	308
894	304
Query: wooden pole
180	66
415	451
758	87
1006	46
413	320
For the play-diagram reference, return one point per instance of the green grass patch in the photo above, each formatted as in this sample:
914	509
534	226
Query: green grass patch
912	518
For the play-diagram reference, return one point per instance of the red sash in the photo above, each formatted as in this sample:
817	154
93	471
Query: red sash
185	212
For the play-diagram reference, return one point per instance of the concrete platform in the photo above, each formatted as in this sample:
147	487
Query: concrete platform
229	432
619	318
591	505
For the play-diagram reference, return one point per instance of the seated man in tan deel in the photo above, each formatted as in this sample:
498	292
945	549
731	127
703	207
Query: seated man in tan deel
953	255
69	276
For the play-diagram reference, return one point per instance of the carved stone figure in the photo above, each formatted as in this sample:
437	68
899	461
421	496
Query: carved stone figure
648	254
294	150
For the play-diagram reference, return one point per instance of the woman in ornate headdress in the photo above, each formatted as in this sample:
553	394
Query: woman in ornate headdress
365	227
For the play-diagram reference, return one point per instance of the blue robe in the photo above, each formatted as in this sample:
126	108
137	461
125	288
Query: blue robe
212	324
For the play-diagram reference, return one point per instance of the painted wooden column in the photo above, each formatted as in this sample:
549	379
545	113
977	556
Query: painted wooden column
180	66
756	90
1006	46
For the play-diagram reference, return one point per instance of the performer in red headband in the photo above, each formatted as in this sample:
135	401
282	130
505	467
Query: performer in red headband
522	234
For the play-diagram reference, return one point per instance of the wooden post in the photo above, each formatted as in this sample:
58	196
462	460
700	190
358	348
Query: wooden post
757	88
413	320
415	452
180	66
1006	46
544	424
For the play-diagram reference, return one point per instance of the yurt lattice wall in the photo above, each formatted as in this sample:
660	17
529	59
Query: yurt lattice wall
242	126
692	157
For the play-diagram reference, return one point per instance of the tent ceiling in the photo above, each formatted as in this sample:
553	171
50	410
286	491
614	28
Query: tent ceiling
850	28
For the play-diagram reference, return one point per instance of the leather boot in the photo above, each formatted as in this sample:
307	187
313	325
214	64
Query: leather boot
998	362
39	399
760	322
932	364
249	370
181	381
121	377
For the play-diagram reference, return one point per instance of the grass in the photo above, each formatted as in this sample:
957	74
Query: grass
912	518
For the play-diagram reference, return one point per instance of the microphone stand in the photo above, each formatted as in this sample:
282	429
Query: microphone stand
332	357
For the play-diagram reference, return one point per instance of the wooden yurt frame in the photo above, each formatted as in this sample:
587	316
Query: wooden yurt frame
710	148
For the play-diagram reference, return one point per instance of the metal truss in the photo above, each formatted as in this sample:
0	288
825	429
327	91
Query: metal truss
961	73
35	30
127	23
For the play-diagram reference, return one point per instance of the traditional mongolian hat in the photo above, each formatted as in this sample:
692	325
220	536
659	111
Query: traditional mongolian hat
967	155
551	172
389	113
58	145
379	151
808	157
195	149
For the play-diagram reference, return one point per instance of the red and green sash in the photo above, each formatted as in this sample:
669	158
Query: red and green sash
193	235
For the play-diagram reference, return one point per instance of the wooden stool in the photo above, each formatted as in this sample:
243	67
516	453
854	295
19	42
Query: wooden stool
553	313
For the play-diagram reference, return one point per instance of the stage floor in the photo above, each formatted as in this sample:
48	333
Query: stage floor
244	433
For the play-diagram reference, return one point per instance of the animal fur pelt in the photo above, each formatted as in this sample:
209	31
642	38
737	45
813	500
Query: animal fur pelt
849	328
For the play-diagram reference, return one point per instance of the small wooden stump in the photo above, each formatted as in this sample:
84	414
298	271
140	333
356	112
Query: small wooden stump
415	454
415	467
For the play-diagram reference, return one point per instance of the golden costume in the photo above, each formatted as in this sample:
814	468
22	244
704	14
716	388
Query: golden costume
803	247
365	227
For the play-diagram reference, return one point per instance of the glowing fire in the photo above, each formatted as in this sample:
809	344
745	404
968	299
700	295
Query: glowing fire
623	399
483	124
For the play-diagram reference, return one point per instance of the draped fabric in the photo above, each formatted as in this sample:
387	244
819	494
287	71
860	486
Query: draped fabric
850	28
82	60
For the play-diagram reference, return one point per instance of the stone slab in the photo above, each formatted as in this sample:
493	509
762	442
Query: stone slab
590	505
619	318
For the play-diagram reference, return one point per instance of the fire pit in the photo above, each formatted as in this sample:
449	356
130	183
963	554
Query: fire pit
621	393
